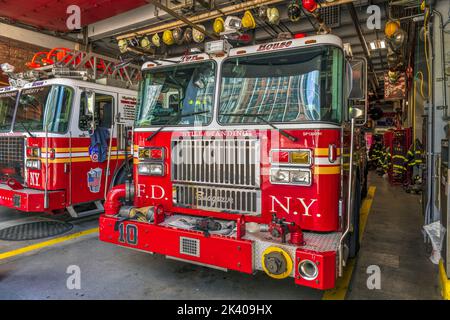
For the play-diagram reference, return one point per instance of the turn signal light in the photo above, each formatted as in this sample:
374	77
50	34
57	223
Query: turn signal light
151	154
33	152
300	157
297	157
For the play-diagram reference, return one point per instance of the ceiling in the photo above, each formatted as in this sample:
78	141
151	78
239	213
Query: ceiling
122	17
51	14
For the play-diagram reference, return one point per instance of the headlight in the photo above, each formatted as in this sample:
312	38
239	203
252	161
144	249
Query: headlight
151	169
279	176
301	176
34	164
290	176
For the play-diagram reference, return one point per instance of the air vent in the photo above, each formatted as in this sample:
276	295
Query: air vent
190	246
331	16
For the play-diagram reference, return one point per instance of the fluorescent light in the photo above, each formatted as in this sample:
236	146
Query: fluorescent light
382	44
373	46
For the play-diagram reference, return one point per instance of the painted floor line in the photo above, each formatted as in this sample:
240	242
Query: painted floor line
47	243
342	284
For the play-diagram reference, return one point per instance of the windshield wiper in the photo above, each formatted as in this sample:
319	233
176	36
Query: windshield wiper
260	117
168	124
26	128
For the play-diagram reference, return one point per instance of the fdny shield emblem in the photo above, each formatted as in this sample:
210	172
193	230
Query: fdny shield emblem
94	178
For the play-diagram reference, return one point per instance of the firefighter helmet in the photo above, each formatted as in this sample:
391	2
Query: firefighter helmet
273	15
168	37
197	35
248	22
262	12
156	40
218	25
177	34
145	43
294	12
187	35
123	45
391	27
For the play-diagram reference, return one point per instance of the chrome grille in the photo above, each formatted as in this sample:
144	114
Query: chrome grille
12	156
230	200
226	162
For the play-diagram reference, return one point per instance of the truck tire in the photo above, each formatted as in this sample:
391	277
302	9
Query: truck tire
121	175
353	239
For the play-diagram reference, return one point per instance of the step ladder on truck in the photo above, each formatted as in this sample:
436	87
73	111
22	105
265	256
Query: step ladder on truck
65	133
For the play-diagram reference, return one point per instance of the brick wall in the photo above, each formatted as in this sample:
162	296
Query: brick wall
17	54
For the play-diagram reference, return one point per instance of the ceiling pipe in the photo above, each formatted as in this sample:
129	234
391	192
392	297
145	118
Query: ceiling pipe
174	14
212	14
362	40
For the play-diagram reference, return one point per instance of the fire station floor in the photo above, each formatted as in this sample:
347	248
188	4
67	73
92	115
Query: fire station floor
42	269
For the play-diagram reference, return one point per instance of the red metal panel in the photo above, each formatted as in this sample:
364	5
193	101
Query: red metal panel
223	252
301	204
31	200
51	14
325	261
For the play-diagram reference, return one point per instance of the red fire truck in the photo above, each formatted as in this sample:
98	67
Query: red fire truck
63	135
242	160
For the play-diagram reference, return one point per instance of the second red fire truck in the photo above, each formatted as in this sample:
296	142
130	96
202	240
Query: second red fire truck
248	159
63	133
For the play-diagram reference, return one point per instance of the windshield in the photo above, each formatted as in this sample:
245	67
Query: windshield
42	107
292	86
177	95
7	107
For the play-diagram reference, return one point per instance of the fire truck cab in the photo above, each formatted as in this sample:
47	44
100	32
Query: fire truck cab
248	159
62	142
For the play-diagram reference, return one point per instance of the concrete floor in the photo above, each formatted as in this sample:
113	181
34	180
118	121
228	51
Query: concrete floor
392	241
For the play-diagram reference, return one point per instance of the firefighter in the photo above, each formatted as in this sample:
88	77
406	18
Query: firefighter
385	161
376	152
399	161
415	160
415	154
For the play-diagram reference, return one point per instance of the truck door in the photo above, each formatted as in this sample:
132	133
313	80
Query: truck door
89	166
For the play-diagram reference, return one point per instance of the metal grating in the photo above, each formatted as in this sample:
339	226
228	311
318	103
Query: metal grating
231	200
331	16
34	230
12	157
233	162
190	246
405	11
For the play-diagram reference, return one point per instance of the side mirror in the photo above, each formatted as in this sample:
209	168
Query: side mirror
357	112
357	94
121	137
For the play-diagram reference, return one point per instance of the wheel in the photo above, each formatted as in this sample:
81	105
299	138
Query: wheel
353	239
121	176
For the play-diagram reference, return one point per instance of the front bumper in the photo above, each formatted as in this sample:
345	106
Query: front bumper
214	251
30	200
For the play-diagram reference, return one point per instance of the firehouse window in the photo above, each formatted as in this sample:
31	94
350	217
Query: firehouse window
7	106
44	108
177	95
292	86
103	107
